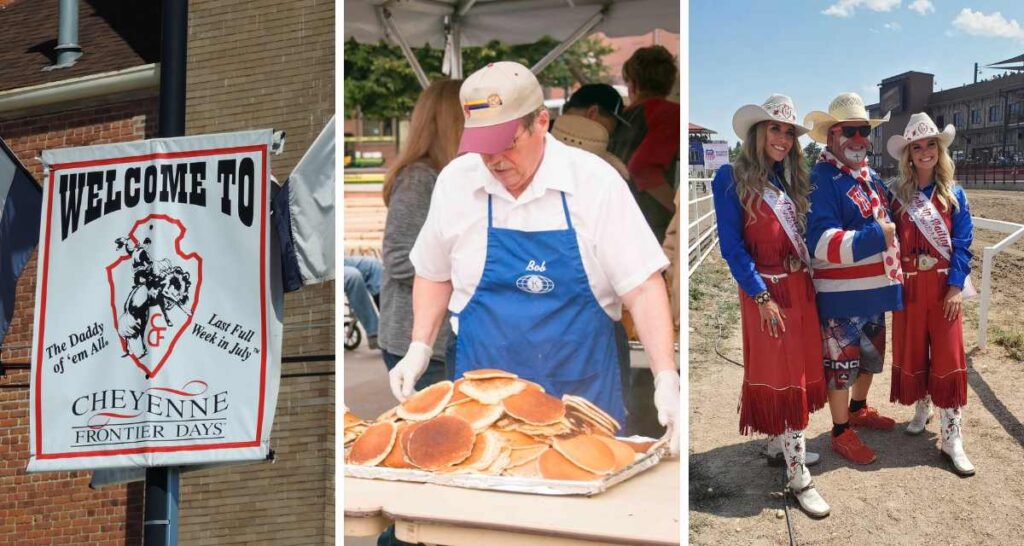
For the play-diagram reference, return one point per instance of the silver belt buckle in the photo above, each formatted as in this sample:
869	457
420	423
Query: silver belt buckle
926	262
792	264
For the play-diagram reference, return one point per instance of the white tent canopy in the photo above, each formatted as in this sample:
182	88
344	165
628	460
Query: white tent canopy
454	24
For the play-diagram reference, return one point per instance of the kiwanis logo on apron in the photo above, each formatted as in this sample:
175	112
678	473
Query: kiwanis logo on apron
534	283
154	289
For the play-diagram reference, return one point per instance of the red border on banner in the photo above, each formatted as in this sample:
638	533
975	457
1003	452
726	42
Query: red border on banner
39	455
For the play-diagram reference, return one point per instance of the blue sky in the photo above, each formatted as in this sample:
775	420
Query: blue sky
741	51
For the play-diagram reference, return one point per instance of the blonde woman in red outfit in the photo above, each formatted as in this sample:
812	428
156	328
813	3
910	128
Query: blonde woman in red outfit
933	223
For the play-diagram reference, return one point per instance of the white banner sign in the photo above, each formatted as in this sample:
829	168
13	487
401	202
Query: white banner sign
156	337
716	154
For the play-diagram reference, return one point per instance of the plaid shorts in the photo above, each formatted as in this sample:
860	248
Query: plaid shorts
852	345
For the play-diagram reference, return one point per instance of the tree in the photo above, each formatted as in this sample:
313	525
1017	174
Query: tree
380	84
734	152
811	153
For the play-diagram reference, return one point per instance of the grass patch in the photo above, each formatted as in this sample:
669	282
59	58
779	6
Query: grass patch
1013	342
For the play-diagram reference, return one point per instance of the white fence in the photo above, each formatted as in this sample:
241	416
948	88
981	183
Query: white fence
1015	231
703	231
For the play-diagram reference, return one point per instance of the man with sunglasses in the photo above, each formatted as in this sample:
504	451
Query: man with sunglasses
856	265
534	247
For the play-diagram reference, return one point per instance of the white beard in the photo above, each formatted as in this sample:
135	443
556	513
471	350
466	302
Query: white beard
856	157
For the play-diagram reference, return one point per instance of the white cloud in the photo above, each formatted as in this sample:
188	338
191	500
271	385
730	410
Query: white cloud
922	6
979	24
845	8
892	26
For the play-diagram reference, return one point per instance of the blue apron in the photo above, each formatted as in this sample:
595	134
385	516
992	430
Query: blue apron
534	314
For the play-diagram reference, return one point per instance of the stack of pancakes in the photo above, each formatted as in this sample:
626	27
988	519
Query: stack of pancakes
491	422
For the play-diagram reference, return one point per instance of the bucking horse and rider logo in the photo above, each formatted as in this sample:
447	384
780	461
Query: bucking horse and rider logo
154	290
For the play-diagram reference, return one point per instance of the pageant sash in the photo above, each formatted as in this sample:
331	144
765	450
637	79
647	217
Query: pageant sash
785	211
929	222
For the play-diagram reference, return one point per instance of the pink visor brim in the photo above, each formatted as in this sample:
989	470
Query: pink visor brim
488	140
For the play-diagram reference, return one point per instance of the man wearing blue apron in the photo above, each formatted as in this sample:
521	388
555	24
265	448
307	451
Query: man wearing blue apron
534	246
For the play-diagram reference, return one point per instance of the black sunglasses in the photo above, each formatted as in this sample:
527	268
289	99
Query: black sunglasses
863	130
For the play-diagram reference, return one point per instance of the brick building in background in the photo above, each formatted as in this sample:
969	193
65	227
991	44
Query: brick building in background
251	65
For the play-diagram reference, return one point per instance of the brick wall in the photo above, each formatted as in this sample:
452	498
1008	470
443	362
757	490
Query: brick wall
58	507
255	64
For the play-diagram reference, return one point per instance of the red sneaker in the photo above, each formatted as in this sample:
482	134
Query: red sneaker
848	445
868	417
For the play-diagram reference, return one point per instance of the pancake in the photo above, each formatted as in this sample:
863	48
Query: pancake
440	442
458	397
374	445
524	455
479	416
529	469
534	407
591	411
624	455
351	420
586	452
390	415
492	391
530	385
396	458
501	462
561	428
553	466
486	449
488	373
427	403
518	440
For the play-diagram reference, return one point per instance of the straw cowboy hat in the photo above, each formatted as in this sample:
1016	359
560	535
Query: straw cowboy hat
777	108
845	107
919	127
589	135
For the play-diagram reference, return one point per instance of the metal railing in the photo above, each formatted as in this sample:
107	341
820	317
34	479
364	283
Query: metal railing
702	232
1015	231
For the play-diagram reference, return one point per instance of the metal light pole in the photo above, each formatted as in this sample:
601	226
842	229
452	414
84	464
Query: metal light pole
160	521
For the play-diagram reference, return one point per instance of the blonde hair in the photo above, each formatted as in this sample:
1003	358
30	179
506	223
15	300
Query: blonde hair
904	185
753	166
434	130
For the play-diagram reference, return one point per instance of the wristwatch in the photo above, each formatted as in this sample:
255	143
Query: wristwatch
762	298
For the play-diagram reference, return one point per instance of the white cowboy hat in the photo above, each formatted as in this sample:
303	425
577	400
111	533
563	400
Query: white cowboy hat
845	107
919	127
777	108
589	135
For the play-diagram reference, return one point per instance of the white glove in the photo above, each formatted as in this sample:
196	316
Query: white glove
404	375
666	400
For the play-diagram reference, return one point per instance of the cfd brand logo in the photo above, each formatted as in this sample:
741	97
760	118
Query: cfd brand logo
535	284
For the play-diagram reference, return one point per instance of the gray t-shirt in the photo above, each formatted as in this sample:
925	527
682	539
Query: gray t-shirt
407	211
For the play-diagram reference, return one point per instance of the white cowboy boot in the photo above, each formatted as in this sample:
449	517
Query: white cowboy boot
800	484
773	452
922	416
952	444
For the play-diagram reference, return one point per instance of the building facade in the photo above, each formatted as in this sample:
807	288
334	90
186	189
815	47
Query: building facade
988	116
251	65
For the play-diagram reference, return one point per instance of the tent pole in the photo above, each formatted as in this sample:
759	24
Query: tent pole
568	42
410	57
456	35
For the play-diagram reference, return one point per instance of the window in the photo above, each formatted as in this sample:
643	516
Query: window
993	114
958	120
1016	109
975	117
940	121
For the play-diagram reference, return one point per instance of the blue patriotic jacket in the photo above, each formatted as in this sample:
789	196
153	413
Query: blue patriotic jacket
846	245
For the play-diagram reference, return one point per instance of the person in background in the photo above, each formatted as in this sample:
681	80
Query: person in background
761	204
934	227
434	132
648	141
597	102
362	285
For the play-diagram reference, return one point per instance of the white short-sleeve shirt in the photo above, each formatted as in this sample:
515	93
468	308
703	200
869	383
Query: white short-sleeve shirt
619	250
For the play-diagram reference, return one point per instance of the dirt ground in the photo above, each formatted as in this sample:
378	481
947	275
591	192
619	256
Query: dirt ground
909	495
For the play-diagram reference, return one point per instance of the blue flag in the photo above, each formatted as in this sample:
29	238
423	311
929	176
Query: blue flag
20	202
